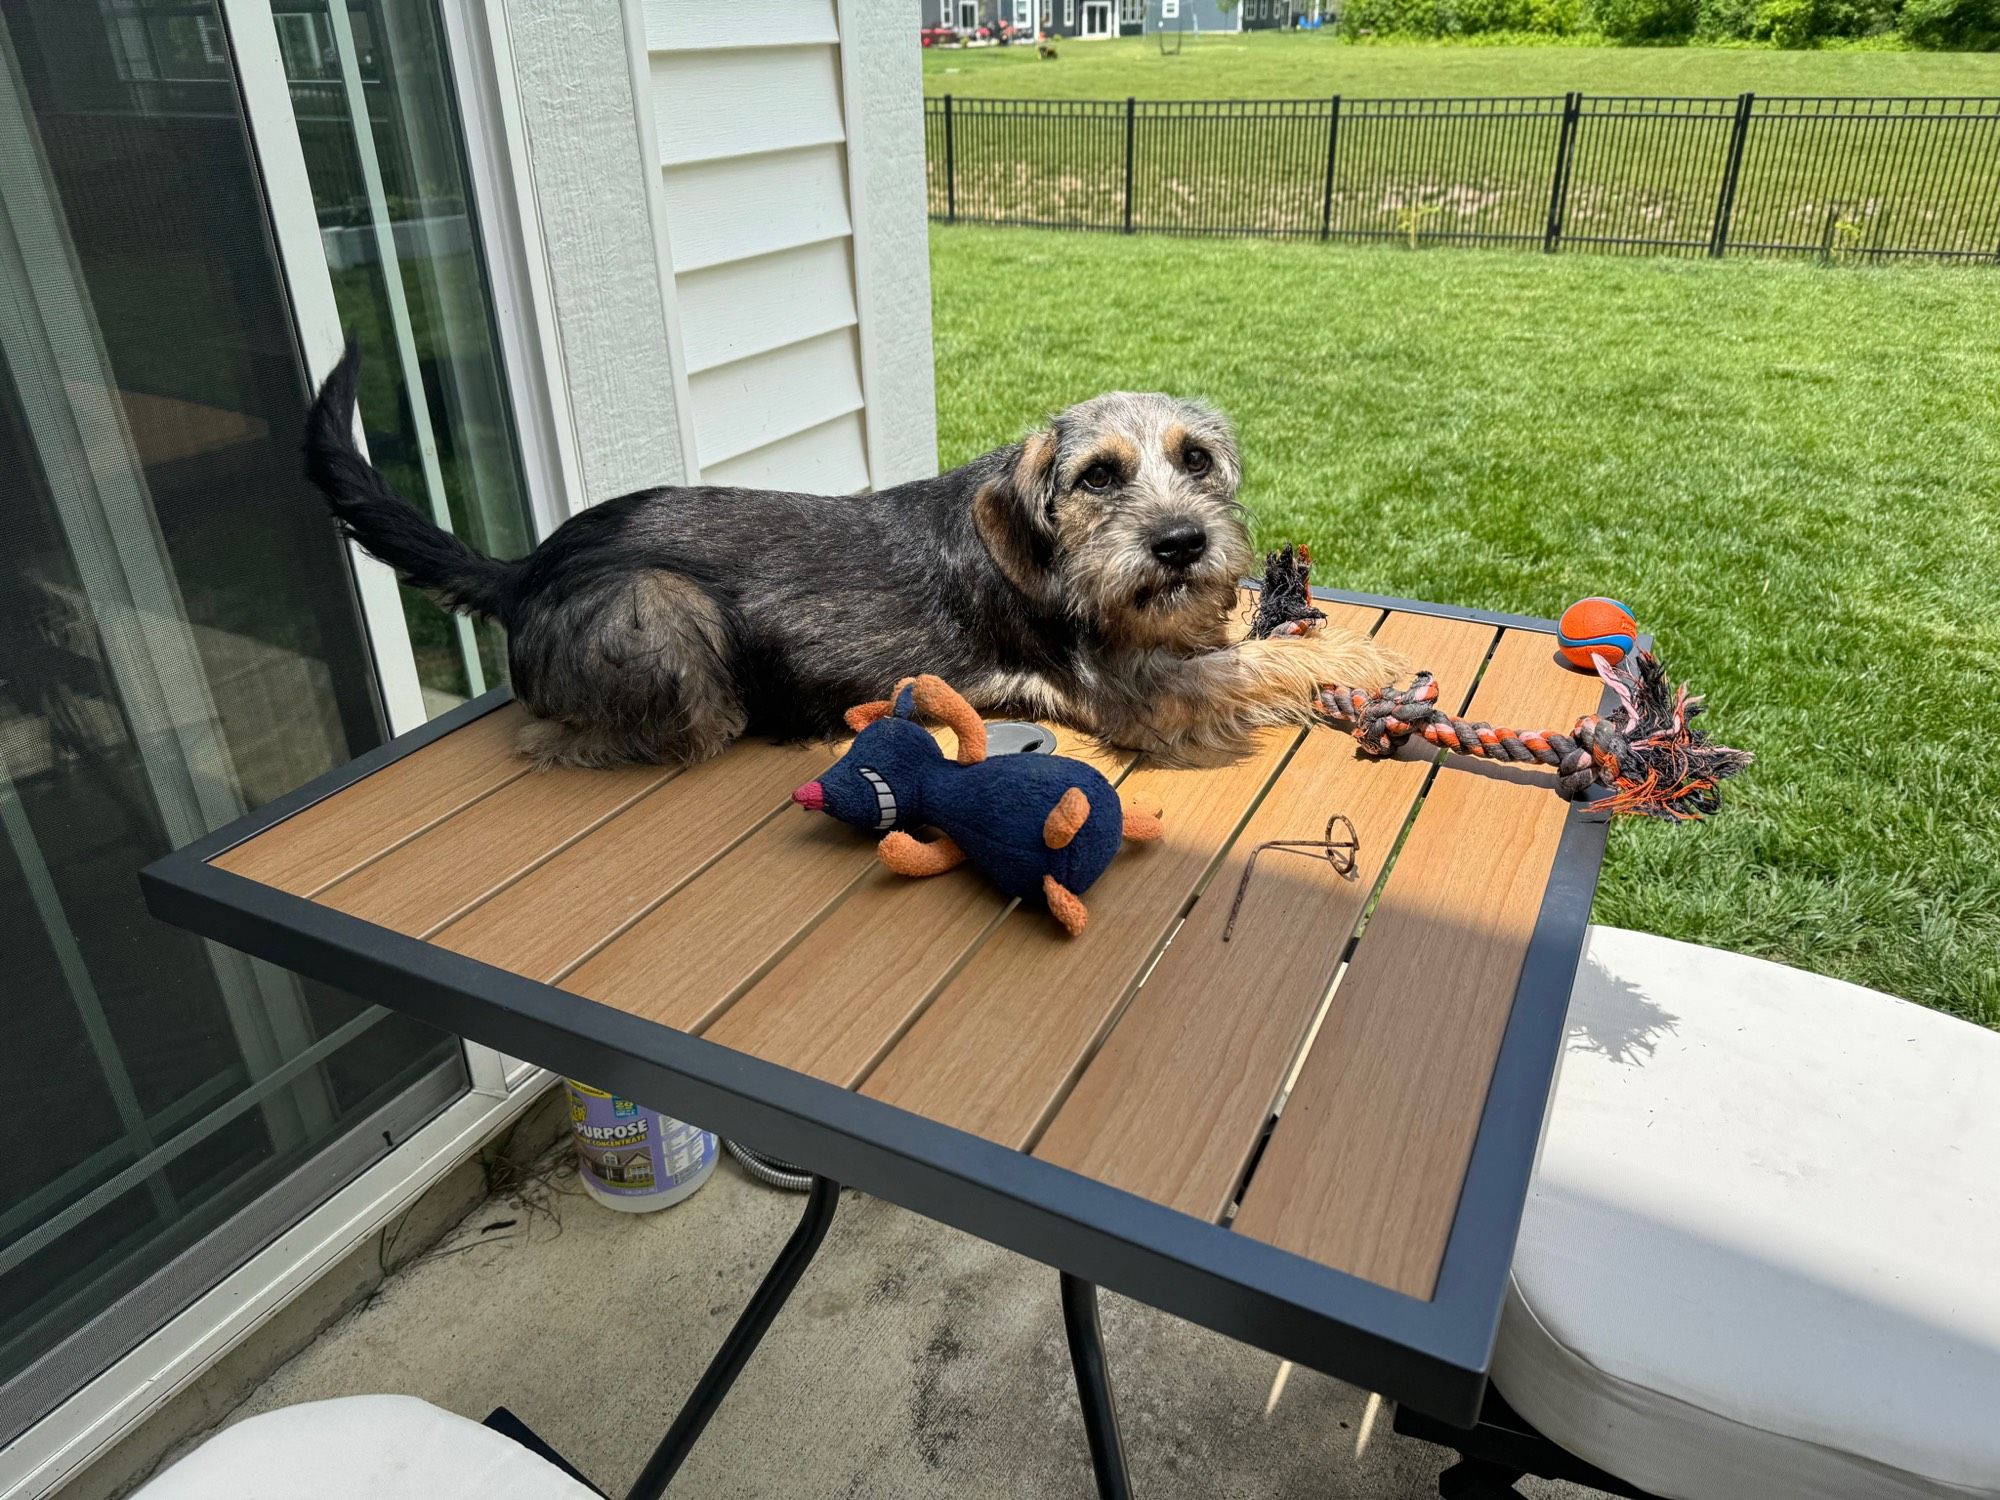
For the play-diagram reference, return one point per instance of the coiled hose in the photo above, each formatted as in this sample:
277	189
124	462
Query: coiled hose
771	1171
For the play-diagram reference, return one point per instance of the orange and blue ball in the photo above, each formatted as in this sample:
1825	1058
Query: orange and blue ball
1596	629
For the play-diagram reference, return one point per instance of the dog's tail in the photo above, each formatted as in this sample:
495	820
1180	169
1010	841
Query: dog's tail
370	510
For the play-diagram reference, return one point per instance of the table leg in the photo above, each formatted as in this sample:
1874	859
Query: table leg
741	1343
1093	1388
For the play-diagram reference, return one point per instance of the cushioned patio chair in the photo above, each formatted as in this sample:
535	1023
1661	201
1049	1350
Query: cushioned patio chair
1761	1256
366	1448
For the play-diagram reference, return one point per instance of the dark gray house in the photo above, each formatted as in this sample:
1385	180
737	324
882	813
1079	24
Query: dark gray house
1272	15
1196	17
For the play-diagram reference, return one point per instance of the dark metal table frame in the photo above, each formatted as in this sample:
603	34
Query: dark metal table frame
1432	1355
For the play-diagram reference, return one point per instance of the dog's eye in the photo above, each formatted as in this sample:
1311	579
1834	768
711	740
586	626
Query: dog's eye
1098	478
1197	460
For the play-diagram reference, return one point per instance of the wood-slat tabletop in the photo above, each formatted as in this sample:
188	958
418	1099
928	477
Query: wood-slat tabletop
1364	1169
1172	1107
1148	1054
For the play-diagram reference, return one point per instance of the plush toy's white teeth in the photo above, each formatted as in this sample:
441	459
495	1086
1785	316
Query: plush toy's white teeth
885	800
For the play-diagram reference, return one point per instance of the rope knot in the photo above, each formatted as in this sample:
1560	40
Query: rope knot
1649	758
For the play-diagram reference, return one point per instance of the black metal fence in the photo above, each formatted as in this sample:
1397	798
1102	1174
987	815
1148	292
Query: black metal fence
1837	178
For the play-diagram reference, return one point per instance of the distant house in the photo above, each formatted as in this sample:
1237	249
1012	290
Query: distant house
1087	20
1195	17
961	15
1271	15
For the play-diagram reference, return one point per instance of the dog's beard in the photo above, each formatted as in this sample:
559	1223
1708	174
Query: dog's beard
1136	601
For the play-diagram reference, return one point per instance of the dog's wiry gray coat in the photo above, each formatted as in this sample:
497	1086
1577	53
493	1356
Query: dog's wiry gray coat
662	625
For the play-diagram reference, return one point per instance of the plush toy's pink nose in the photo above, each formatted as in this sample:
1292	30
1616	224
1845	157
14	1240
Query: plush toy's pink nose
811	796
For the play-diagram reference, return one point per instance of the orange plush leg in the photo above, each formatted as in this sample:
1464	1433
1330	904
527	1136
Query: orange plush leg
1141	825
907	856
1064	906
1065	818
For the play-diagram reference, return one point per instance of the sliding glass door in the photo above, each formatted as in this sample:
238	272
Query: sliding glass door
369	84
181	636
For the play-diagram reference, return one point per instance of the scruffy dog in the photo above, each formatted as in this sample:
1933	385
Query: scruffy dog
1088	574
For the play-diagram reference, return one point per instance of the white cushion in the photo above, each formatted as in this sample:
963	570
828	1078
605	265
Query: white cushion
363	1448
1761	1254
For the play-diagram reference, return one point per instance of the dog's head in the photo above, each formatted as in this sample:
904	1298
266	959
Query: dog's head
1123	511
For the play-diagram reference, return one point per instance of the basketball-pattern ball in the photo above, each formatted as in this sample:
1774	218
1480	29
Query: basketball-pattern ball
1596	628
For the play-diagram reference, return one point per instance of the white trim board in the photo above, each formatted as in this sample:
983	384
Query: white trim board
482	63
572	73
646	127
882	78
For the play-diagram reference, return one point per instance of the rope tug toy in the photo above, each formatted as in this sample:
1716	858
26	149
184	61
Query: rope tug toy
1648	756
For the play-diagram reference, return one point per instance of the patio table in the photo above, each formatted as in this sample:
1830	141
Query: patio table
1148	1107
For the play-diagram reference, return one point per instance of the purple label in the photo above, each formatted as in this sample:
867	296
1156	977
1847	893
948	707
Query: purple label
629	1150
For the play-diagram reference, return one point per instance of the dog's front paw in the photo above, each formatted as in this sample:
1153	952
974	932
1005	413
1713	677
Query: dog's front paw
1333	654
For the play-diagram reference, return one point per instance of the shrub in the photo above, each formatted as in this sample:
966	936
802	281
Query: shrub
1801	23
1789	23
1556	17
1858	18
1445	18
1475	16
1413	17
1959	25
1972	25
1645	20
1724	20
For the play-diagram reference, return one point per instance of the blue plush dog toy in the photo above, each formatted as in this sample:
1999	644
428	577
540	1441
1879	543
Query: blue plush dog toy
1035	825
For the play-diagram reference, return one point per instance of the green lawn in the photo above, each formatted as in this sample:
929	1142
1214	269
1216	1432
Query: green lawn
1278	65
1791	473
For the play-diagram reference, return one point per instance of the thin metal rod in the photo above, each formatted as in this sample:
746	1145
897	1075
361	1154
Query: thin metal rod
1731	169
1332	153
1093	1388
950	166
1559	189
1131	106
741	1343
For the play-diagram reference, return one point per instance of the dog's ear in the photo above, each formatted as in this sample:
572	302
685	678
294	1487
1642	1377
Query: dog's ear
1014	513
1034	476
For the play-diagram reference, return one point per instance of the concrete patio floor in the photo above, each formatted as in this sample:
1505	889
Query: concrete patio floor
913	1360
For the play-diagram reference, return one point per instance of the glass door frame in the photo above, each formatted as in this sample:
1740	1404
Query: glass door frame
500	1087
281	165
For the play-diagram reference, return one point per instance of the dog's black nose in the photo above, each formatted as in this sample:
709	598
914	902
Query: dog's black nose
1180	546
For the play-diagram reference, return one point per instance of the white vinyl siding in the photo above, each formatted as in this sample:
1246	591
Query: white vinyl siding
831	459
751	129
698	25
740	406
736	308
735	208
710	106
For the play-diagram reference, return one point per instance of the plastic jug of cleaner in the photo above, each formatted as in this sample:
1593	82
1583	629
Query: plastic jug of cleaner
631	1158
